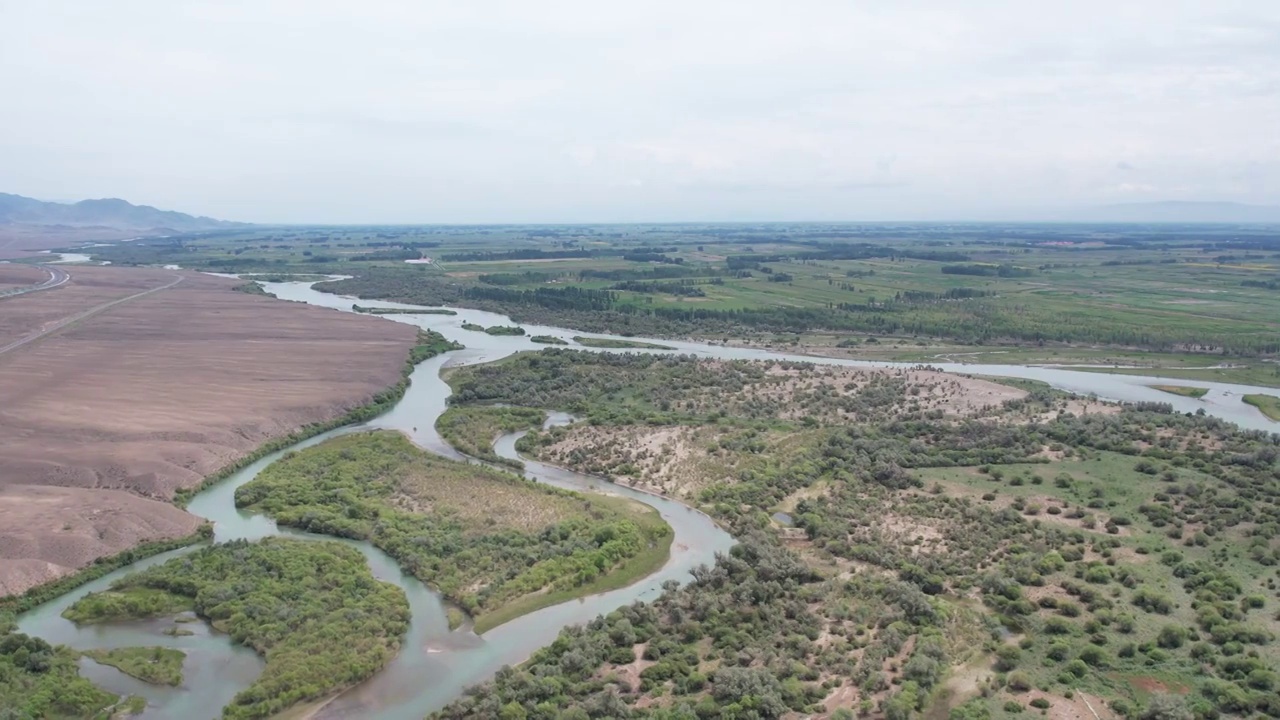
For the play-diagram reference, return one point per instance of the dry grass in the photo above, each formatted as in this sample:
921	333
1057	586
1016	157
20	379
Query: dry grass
481	501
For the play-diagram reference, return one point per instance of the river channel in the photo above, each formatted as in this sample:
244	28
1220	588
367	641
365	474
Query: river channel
435	664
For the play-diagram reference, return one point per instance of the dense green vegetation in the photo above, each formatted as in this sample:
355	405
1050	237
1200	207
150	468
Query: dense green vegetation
1030	293
493	543
311	609
403	311
158	665
125	603
635	388
472	430
620	344
494	330
252	288
430	344
1268	404
1115	554
38	680
548	340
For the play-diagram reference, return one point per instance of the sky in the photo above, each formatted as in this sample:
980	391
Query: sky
316	111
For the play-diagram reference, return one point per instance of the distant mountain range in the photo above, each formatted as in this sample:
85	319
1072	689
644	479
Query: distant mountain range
1181	212
108	213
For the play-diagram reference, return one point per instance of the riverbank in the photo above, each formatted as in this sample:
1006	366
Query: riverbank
1268	405
104	566
435	663
429	345
312	609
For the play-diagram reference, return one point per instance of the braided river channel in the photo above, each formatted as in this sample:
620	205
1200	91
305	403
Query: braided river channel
436	665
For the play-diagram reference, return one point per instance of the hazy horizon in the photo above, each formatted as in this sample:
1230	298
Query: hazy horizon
573	112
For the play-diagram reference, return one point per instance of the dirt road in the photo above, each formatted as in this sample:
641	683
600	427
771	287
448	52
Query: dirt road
59	279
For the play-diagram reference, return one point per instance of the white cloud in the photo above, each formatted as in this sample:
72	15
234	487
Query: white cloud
413	111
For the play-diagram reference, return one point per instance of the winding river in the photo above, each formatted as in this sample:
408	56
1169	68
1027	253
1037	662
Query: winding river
435	664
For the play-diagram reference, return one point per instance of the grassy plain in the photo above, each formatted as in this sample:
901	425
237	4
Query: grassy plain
125	603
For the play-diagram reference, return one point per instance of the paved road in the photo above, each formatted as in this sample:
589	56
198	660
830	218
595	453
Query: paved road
57	277
59	325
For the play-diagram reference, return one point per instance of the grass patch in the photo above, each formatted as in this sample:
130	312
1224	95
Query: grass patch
648	561
156	665
618	344
1183	390
1268	404
472	430
403	311
252	288
456	616
1255	374
495	330
548	340
126	603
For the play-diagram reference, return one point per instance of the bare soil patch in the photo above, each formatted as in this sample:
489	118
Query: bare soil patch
1081	706
16	276
955	395
118	411
663	460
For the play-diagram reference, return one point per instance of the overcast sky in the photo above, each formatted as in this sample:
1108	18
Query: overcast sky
537	110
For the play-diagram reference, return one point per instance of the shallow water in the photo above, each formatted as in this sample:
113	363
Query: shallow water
436	665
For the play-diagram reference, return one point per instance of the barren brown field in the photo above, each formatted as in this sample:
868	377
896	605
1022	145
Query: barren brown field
16	276
105	418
